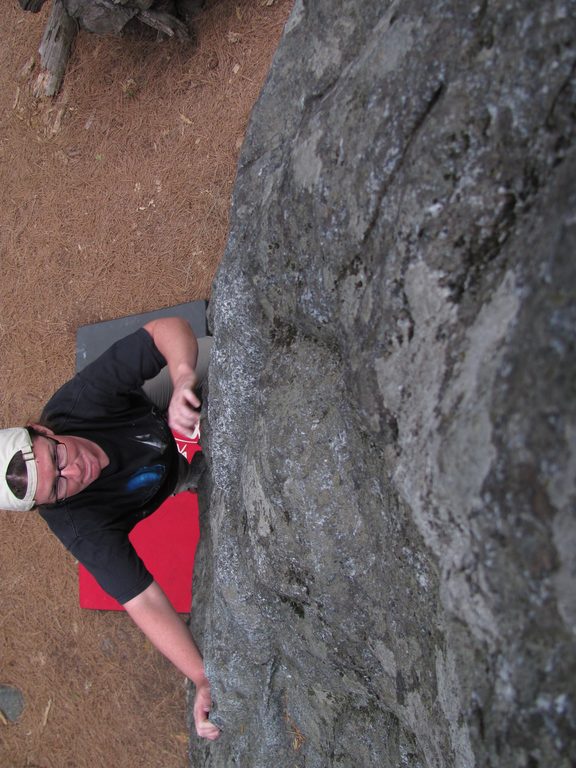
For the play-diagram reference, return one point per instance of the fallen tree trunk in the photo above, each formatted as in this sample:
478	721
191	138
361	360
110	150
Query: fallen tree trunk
55	50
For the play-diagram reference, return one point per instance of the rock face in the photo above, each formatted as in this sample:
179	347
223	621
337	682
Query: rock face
388	564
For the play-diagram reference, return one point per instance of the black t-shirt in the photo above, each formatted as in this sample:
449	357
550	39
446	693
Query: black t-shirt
104	403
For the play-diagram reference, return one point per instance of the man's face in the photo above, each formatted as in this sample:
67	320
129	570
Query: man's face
84	463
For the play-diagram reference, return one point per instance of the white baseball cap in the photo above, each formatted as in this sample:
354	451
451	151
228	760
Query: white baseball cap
11	442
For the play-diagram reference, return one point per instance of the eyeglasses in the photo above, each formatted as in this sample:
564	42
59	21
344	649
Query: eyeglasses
60	458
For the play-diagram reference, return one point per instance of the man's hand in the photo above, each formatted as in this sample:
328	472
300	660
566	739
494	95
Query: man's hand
202	705
183	411
154	614
175	340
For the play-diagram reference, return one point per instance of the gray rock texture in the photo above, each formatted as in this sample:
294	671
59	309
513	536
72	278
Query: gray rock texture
387	574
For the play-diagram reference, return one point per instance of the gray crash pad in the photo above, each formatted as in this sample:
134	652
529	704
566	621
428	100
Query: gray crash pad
92	340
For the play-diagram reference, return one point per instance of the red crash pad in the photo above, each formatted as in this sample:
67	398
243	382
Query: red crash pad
166	541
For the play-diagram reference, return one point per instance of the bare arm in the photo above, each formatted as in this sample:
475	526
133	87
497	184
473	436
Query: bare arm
151	610
176	341
153	613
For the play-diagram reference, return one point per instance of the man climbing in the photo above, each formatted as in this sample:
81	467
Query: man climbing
102	457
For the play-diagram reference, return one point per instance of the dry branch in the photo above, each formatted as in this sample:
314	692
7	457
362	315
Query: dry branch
55	50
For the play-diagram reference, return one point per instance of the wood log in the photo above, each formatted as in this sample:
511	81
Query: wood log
54	50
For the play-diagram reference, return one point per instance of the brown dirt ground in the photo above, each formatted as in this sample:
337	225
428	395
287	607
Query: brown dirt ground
114	199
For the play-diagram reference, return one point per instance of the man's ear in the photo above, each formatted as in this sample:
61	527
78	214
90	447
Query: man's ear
43	430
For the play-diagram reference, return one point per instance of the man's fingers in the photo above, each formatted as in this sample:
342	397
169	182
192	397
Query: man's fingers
191	398
183	413
208	731
204	728
186	426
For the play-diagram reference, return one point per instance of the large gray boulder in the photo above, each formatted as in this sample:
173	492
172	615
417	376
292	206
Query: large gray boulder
388	564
